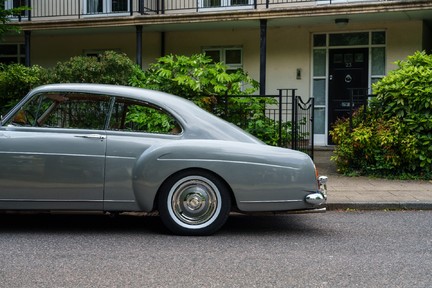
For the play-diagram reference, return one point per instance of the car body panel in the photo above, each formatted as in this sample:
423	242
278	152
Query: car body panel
259	175
111	170
40	167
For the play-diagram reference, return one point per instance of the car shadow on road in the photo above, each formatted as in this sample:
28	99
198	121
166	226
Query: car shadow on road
78	223
102	224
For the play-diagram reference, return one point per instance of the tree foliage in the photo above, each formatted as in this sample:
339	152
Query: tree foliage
394	136
196	78
108	68
5	18
16	81
209	84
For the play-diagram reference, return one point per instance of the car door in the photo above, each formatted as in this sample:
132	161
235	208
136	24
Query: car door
52	153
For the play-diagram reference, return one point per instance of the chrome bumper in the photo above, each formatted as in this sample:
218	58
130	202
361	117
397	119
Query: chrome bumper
320	197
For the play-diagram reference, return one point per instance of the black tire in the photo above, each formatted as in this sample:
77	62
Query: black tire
194	203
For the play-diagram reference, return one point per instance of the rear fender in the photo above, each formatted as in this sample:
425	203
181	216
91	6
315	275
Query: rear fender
254	172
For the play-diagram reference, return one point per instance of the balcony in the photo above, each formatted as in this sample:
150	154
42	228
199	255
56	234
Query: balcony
78	9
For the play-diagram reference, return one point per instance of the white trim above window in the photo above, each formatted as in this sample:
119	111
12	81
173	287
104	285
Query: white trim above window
212	5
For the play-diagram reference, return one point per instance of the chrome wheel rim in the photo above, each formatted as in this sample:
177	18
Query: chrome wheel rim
194	202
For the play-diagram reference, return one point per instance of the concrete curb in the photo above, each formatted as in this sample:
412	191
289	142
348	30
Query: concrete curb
380	206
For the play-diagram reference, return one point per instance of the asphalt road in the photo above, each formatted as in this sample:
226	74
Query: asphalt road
336	249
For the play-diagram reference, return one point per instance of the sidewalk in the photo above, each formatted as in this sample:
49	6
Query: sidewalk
370	193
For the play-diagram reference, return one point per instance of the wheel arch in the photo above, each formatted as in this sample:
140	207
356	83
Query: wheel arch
195	170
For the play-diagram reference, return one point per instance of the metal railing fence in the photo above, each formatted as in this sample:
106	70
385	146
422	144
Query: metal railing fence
283	119
95	8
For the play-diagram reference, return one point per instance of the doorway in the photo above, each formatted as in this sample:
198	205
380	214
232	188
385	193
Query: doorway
348	69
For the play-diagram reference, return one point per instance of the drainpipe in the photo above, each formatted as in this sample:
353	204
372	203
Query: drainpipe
139	29
263	55
27	42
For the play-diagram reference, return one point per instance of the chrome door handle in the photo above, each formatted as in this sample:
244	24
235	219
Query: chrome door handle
92	136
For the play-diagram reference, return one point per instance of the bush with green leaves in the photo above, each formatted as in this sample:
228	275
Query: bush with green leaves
109	67
16	81
206	83
210	85
394	136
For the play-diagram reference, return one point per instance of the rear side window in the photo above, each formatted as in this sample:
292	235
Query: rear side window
136	116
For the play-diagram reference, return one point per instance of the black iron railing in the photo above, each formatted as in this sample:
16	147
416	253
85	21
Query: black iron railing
95	8
285	119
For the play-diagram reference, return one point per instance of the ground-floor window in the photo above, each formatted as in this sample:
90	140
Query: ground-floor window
12	53
343	62
231	56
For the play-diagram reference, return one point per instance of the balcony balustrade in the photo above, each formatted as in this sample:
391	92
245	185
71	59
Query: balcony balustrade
72	9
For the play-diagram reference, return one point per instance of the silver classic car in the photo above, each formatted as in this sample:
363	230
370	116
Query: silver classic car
89	147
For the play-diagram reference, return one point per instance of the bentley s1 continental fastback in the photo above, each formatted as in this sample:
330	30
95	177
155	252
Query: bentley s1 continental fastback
90	147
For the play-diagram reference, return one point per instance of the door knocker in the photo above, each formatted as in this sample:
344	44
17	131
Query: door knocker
348	78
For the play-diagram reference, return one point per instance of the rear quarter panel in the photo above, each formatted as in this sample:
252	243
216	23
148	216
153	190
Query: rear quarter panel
256	173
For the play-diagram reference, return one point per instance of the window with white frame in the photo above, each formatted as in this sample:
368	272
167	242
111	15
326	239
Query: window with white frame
224	4
11	4
231	56
94	7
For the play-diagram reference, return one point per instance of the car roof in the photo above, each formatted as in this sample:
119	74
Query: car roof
198	123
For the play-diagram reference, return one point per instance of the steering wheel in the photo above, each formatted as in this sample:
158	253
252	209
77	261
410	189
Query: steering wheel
31	121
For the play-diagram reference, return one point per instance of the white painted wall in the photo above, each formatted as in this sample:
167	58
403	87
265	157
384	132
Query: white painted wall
288	48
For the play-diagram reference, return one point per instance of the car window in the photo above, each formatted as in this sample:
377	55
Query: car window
129	115
64	110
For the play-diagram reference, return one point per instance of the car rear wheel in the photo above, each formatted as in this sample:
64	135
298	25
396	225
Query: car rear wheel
194	203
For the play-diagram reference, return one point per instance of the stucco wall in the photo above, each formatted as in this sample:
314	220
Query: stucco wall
47	50
403	39
288	48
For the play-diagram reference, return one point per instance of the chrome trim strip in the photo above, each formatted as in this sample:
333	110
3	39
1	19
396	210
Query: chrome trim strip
231	161
70	201
121	157
119	201
52	154
271	201
48	200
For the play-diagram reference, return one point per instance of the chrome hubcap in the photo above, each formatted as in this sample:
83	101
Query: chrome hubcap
194	201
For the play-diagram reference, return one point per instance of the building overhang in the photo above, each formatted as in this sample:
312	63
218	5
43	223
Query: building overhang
308	15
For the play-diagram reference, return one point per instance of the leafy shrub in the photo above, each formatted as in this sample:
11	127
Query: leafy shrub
109	67
206	83
395	137
16	81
